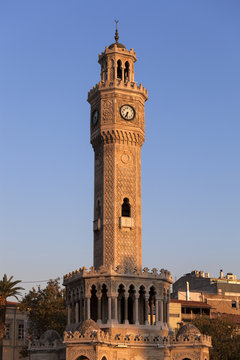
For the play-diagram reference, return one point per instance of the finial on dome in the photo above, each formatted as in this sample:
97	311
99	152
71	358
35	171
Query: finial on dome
116	32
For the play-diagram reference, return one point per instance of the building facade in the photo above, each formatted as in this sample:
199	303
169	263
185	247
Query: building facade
14	332
182	312
222	293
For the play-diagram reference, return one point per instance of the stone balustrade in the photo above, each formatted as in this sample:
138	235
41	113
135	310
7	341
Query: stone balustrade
145	273
133	339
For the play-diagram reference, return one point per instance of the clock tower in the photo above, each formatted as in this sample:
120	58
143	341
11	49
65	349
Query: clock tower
117	133
116	310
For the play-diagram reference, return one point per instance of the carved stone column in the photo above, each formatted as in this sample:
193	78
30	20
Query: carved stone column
68	314
156	312
81	310
146	311
76	312
109	309
136	310
99	321
126	310
115	309
164	311
161	311
167	311
88	308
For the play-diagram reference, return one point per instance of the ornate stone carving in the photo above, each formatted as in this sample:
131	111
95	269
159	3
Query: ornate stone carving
107	112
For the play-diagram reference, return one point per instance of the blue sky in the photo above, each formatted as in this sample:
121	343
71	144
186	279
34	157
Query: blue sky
188	58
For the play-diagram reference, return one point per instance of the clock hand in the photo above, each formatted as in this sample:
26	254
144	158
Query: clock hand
127	113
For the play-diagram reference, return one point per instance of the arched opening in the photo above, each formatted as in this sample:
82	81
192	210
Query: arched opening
73	313
151	306
94	304
121	299
126	208
82	357
119	69
104	358
104	304
141	306
78	304
131	299
126	71
106	70
164	306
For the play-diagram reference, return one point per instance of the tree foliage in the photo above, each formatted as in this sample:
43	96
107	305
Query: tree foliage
8	288
46	309
225	339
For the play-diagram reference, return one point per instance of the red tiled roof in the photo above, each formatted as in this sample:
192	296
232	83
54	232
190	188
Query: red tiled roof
191	303
234	318
12	303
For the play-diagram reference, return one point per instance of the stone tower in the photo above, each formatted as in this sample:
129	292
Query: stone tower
117	135
116	309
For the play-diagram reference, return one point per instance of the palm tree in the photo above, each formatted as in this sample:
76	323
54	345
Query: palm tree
7	288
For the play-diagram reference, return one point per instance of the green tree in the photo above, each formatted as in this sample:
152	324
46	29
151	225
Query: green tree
46	309
225	340
8	288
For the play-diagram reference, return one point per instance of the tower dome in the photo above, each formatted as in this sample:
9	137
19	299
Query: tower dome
189	329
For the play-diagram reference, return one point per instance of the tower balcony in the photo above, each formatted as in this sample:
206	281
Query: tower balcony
131	86
126	222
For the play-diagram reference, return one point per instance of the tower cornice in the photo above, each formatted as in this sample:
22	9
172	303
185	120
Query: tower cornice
119	85
118	136
115	50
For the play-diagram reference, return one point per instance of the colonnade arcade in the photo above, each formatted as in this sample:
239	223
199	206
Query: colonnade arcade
134	305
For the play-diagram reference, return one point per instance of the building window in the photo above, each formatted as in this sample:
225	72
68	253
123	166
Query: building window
234	304
126	208
20	331
7	332
119	69
126	71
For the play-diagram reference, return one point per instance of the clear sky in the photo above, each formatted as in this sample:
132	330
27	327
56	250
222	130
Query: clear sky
189	60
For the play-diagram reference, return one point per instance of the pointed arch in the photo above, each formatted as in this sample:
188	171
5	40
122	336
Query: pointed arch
119	69
104	303
141	305
126	71
131	301
121	303
126	208
94	304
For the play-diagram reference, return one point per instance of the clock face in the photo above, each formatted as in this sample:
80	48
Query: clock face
95	116
127	112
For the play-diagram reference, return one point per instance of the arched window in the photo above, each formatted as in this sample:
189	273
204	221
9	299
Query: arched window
141	306
82	358
126	208
106	70
104	304
119	69
131	299
94	304
121	309
126	71
151	304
